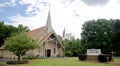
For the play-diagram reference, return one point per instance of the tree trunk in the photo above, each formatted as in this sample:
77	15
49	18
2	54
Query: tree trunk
19	58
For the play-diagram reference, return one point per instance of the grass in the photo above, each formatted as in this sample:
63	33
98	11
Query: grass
64	62
117	59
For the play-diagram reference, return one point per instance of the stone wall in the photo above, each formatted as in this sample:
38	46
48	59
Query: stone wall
7	54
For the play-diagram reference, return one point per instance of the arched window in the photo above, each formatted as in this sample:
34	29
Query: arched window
54	50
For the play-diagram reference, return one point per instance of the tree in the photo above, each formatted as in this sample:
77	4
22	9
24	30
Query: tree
97	34
22	28
72	47
20	43
116	36
2	35
8	30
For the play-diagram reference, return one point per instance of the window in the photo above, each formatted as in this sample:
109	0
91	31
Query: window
54	50
39	49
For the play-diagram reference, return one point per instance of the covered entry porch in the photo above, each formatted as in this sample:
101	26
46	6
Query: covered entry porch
51	48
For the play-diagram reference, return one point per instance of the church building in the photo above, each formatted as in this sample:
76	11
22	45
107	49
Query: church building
49	43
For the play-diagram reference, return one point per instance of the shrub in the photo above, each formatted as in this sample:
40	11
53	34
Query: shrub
16	62
105	58
69	53
30	57
82	57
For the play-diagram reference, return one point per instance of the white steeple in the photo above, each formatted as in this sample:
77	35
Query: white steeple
48	24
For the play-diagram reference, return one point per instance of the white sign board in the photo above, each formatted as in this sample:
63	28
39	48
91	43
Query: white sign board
93	51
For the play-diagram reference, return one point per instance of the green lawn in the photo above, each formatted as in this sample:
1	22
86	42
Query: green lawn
117	59
64	62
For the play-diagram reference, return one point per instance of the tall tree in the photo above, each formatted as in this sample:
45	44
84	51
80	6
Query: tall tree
20	43
8	30
72	47
2	35
22	28
97	34
116	36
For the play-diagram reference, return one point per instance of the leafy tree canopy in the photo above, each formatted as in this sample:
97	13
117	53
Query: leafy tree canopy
20	43
8	30
101	34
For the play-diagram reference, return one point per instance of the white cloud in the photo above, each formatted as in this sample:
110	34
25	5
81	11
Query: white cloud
64	14
8	3
13	2
35	6
31	21
95	2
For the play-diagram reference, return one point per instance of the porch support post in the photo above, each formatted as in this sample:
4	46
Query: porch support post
56	49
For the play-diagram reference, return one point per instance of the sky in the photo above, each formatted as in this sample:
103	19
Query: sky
68	14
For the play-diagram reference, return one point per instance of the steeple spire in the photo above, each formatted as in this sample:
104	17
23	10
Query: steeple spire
48	24
48	19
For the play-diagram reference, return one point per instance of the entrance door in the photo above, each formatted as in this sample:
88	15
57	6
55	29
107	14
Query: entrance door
48	53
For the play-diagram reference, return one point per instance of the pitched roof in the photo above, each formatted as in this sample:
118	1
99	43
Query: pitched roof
41	35
34	34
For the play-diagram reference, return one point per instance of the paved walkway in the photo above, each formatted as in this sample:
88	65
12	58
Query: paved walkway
117	63
4	60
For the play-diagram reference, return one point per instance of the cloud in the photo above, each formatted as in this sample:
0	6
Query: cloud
118	1
34	6
31	21
8	3
37	11
36	14
67	1
71	17
95	2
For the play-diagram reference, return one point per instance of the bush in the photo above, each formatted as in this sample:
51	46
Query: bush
82	57
69	54
105	58
16	62
30	57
